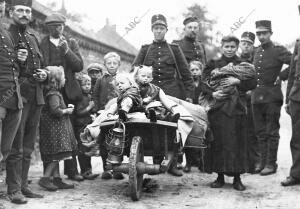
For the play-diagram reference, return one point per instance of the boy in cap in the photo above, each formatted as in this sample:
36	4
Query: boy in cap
95	71
32	77
267	97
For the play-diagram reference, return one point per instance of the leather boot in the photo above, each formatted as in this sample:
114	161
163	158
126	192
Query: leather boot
17	198
219	182
263	150
57	181
268	170
237	183
47	184
173	170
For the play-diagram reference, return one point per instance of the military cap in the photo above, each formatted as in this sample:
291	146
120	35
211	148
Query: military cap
248	36
55	18
159	19
263	25
190	19
95	66
230	38
27	3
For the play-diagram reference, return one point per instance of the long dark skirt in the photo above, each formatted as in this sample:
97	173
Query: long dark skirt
228	151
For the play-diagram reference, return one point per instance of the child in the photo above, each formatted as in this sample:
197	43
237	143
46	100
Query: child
105	89
95	71
196	68
82	118
151	93
57	140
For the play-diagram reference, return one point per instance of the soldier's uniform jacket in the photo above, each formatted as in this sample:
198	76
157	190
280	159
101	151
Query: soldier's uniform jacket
10	96
192	49
268	61
293	86
158	56
31	90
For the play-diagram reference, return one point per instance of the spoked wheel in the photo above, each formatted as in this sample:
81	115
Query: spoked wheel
135	179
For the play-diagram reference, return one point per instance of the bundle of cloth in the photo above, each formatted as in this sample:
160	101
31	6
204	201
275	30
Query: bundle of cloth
243	71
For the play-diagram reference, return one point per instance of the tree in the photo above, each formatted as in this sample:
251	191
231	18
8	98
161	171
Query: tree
206	27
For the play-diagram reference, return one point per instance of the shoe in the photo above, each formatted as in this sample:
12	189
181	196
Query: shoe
268	170
122	115
106	175
218	183
174	171
179	166
30	194
76	177
187	168
290	181
238	185
152	115
89	175
175	118
258	168
118	175
17	198
57	181
47	184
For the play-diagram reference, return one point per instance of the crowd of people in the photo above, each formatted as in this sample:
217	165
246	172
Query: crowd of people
45	92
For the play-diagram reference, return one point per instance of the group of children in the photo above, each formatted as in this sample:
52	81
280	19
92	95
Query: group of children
60	139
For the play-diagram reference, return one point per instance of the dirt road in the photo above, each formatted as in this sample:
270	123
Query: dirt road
190	191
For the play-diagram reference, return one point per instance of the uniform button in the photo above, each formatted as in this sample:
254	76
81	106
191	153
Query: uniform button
159	63
34	63
158	52
9	53
263	50
159	47
5	46
158	69
159	58
159	81
259	60
257	85
31	48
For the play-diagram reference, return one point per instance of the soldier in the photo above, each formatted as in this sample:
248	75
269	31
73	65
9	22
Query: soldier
170	68
193	50
57	50
10	97
293	108
191	47
267	98
18	162
247	54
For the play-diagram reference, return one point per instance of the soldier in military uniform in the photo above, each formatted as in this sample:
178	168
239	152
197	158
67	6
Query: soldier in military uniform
31	78
247	55
191	47
267	98
170	68
10	98
293	108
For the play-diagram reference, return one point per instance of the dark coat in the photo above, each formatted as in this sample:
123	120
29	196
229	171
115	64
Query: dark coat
293	86
72	63
268	61
158	56
10	96
192	49
228	152
31	90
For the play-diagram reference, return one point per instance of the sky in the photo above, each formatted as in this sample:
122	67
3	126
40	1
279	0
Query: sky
283	14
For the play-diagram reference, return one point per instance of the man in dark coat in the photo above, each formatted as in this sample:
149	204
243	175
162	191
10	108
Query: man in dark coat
293	108
247	54
192	48
10	98
59	51
170	68
18	162
267	98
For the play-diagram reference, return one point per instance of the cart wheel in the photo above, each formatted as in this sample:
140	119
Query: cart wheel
135	179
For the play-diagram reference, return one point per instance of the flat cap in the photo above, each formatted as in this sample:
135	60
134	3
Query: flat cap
159	19
55	18
230	38
190	19
248	36
95	66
